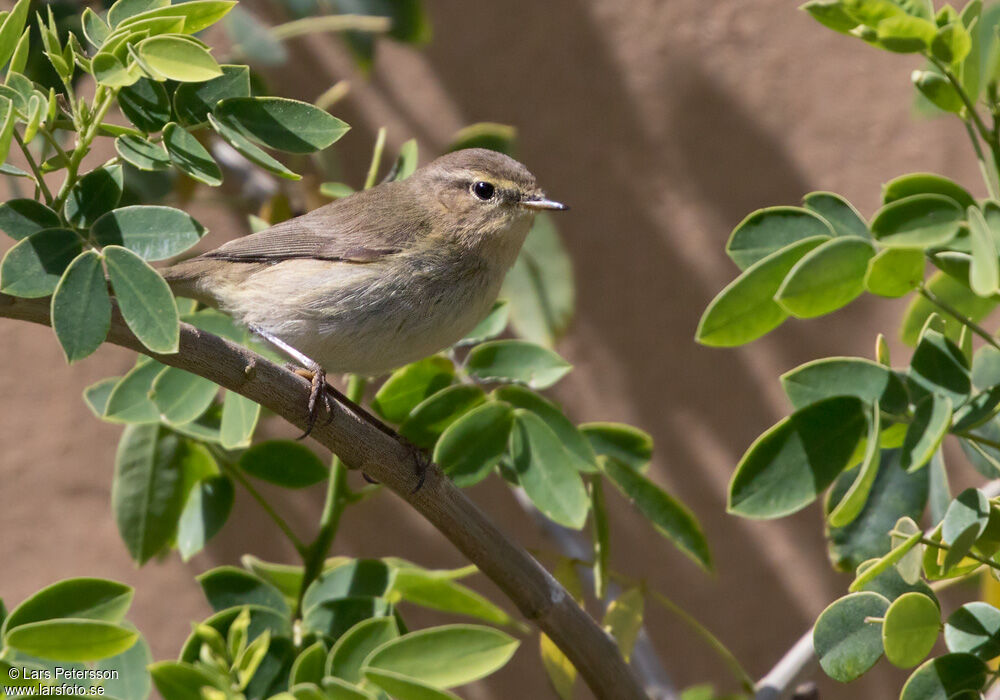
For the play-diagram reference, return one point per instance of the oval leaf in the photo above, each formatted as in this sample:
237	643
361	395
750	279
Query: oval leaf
145	300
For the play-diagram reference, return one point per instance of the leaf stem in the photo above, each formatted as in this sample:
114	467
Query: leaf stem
989	174
39	180
104	98
958	316
337	497
376	159
980	125
971	555
235	472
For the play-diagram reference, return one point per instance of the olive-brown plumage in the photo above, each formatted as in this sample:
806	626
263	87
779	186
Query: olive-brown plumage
383	277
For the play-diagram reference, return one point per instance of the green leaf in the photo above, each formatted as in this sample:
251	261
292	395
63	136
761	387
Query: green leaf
428	590
181	681
147	491
939	367
95	30
766	231
197	15
853	502
623	620
358	577
630	446
846	643
984	273
181	396
19	218
911	628
964	521
124	9
920	220
895	272
132	680
336	190
194	101
248	150
974	628
253	40
845	376
190	157
407	161
446	656
669	517
81	307
745	309
152	232
926	183
516	361
239	419
831	14
146	104
129	400
285	463
471	446
539	287
227	586
545	471
793	462
938	90
141	153
111	72
10	30
144	299
34	265
896	494
332	618
309	665
71	639
826	278
410	385
336	689
205	512
931	420
176	58
347	657
951	44
432	416
285	577
843	218
906	34
945	677
582	454
490	327
403	687
280	123
96	193
82	598
96	395
560	670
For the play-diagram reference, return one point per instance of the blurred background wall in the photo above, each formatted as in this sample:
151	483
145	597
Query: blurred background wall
662	124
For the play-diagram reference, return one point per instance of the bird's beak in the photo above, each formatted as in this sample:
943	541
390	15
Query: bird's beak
539	202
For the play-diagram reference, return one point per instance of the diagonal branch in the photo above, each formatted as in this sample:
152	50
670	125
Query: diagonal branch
362	446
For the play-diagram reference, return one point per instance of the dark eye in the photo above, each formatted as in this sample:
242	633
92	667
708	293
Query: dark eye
483	190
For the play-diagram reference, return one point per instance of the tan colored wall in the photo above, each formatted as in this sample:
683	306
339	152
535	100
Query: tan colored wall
663	124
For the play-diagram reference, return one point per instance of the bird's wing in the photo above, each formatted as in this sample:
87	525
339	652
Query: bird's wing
354	230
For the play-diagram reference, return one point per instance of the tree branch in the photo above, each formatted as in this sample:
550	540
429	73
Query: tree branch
362	446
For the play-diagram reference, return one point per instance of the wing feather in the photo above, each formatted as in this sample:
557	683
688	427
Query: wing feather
362	228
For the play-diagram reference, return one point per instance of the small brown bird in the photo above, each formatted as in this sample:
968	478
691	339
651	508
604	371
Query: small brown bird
381	278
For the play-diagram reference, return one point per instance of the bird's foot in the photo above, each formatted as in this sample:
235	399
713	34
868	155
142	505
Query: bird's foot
318	392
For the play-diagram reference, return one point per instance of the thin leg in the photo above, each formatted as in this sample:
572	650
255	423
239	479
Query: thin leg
313	372
320	387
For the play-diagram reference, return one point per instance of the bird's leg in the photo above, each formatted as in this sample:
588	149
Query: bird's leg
308	369
311	370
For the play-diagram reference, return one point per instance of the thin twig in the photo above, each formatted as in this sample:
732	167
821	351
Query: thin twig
958	316
271	512
39	179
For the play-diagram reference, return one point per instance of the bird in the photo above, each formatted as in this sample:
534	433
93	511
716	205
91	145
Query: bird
381	278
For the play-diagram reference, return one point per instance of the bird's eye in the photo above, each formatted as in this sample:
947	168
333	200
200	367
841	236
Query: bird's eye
483	190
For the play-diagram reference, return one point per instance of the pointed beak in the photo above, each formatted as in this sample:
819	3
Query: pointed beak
539	202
